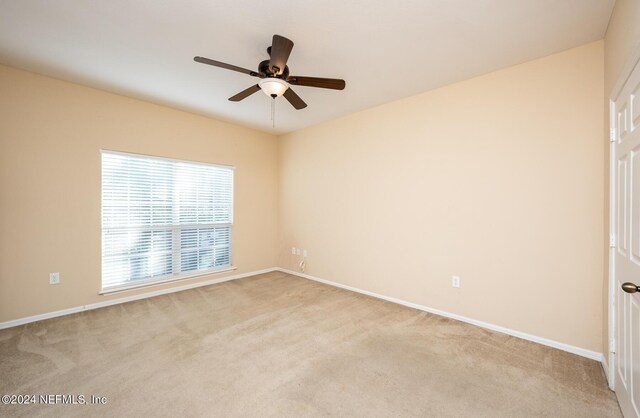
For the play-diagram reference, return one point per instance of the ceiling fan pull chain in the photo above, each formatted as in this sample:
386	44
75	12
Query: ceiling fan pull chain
273	112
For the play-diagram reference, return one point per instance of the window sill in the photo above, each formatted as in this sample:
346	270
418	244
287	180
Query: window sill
150	283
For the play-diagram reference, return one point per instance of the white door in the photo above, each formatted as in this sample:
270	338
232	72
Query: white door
626	121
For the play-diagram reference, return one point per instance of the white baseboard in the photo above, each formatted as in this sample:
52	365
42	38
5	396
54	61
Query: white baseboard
544	341
68	311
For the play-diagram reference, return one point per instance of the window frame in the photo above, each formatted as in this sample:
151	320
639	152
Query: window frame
174	228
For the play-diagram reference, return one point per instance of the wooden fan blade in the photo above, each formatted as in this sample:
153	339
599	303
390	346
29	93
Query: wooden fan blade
280	51
294	99
208	61
323	83
245	93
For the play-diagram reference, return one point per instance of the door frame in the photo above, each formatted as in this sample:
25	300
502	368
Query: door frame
609	359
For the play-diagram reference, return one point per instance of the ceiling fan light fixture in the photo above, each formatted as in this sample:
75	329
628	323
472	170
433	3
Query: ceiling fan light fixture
274	75
273	87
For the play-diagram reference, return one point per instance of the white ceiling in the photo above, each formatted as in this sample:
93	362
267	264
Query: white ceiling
385	50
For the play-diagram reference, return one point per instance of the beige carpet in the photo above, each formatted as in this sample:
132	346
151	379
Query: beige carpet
277	345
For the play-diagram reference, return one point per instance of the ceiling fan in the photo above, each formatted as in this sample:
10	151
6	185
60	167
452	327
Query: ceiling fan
274	74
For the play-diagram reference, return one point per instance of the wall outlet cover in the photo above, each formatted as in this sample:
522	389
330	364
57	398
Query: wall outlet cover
54	278
455	281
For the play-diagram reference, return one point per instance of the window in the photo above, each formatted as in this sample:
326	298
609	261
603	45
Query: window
163	219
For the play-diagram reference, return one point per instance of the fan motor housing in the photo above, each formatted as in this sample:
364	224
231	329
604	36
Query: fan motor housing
265	69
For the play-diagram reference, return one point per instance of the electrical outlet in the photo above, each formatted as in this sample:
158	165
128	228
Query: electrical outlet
455	281
297	251
293	250
304	253
54	278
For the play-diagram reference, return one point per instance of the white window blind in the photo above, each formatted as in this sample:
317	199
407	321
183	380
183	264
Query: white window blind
163	219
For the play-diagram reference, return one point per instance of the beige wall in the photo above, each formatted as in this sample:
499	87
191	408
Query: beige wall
621	41
51	133
498	179
622	37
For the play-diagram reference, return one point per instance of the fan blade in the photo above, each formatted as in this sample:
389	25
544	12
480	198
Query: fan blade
294	99
203	60
323	83
280	51
245	93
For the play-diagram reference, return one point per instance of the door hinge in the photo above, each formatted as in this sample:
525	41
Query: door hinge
612	135
612	241
612	346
